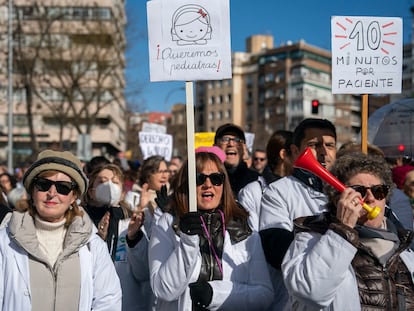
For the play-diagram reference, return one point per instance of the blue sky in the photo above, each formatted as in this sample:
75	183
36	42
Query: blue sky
285	20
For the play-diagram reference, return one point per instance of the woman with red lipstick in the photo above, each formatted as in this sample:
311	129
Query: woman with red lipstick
51	258
209	259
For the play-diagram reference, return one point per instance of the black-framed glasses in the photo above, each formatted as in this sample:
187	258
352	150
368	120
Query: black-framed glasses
216	179
227	140
62	187
379	191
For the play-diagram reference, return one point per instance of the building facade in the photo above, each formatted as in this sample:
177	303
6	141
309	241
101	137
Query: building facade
68	77
272	88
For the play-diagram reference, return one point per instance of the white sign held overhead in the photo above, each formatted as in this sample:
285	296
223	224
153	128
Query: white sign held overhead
189	40
155	144
366	55
154	128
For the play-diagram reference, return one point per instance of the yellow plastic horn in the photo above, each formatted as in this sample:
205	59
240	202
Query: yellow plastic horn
308	162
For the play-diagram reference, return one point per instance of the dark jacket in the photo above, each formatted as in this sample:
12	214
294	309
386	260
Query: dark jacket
240	176
386	286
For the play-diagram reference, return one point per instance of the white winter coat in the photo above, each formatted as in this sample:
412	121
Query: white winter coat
175	262
100	287
318	273
283	201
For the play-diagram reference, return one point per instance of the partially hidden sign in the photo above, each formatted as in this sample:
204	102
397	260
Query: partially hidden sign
153	143
366	55
189	40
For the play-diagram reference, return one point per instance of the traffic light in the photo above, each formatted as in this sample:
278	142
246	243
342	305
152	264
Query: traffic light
315	106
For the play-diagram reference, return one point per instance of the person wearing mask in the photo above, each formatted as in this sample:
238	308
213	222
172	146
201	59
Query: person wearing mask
106	207
209	259
297	195
51	257
231	139
278	165
259	161
341	259
117	225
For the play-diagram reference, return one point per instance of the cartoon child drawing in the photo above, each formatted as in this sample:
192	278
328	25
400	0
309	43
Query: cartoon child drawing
191	25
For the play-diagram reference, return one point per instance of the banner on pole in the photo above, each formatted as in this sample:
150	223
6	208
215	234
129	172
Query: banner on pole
189	41
366	55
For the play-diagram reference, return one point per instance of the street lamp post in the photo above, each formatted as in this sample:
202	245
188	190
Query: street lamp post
10	87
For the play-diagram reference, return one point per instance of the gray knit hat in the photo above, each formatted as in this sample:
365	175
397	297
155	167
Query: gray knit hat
62	161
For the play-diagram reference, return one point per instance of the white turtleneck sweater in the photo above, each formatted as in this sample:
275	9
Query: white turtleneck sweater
50	236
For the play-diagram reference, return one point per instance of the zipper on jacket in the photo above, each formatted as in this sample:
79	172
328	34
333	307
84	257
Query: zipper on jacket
211	268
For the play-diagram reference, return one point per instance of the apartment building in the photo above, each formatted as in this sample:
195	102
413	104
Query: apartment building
272	88
68	77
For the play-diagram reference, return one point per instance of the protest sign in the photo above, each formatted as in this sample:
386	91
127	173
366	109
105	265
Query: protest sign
154	128
204	139
189	41
366	55
155	144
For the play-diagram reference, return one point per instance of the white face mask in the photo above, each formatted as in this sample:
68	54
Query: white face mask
108	193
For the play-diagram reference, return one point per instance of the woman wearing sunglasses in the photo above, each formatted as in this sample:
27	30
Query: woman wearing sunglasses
51	259
341	260
209	259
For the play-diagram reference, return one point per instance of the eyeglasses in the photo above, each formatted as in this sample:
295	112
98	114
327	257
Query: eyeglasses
379	191
62	187
163	172
216	179
227	140
259	159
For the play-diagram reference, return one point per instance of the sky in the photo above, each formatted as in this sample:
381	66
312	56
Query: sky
290	20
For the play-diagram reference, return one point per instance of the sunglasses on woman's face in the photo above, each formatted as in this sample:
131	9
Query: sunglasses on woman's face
62	187
216	179
379	191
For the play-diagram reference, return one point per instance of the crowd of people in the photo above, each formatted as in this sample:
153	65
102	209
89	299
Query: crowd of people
263	233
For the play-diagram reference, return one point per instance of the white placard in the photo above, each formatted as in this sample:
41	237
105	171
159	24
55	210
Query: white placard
366	55
249	140
189	40
155	144
154	128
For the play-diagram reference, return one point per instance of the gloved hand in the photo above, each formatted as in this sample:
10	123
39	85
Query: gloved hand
162	198
201	294
190	223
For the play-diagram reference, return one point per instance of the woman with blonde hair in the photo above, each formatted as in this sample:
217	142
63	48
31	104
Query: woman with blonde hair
51	258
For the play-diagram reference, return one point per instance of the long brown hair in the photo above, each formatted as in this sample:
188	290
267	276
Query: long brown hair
180	189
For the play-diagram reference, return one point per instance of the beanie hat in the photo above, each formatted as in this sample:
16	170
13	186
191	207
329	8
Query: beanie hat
62	161
213	149
229	129
399	173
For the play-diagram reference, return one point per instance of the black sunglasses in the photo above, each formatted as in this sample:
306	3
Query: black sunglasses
379	191
216	179
259	159
62	187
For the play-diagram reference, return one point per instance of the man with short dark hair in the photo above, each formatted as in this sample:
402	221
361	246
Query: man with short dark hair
259	160
231	139
294	196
